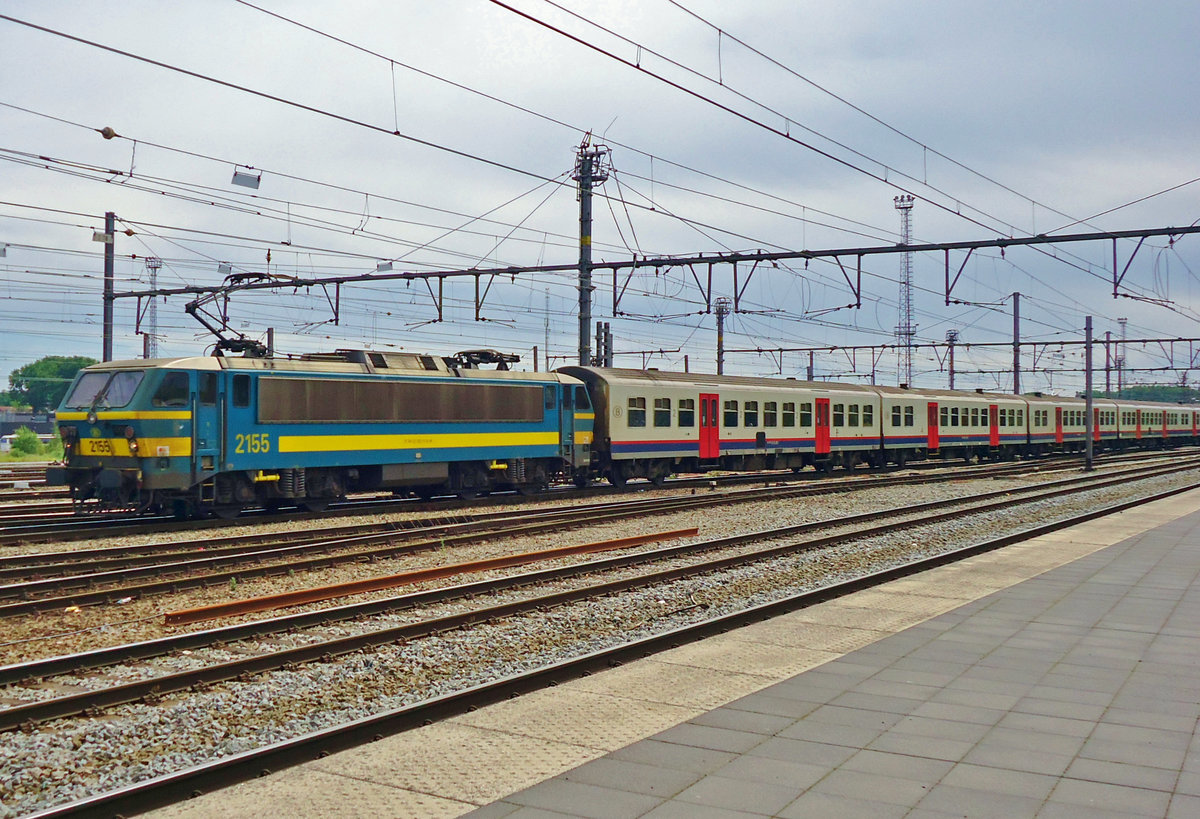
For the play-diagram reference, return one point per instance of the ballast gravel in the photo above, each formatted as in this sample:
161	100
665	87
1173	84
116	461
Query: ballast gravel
69	759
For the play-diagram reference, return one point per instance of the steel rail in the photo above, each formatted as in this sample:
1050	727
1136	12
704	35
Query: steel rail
40	563
180	579
100	525
123	562
93	701
198	779
198	639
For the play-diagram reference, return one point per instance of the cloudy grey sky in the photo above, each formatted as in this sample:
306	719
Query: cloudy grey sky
1002	118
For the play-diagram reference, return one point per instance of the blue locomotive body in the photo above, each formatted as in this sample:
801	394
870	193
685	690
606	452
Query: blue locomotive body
218	434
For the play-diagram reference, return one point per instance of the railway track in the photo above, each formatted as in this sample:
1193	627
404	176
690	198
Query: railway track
20	524
219	772
47	581
701	557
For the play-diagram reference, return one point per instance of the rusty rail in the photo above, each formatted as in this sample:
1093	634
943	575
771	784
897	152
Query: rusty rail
391	581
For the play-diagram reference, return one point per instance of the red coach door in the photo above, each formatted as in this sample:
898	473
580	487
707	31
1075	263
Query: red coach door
1096	423
993	425
710	428
934	441
1138	429
822	422
1058	433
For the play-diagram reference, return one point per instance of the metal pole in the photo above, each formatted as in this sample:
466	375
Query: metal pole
110	224
722	309
1088	421
1108	363
951	338
809	375
1016	343
588	172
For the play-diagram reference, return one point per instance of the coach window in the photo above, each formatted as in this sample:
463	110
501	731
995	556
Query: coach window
662	412
909	417
896	416
868	415
751	414
687	412
852	415
954	416
839	415
806	414
789	414
172	392
241	390
637	412
1020	417
945	417
208	388
770	414
731	412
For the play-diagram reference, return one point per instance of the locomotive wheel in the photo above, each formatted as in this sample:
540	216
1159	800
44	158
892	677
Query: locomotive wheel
226	512
582	480
314	504
616	476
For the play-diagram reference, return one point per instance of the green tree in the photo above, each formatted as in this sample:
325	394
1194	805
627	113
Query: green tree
43	383
26	442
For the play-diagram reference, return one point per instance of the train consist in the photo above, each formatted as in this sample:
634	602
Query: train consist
219	434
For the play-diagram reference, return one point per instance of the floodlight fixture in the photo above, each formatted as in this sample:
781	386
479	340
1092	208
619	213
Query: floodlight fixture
3	251
224	268
383	267
246	178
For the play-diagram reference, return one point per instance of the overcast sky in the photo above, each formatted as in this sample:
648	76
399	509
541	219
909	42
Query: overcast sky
441	136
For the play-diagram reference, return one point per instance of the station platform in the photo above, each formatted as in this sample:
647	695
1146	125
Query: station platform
1059	677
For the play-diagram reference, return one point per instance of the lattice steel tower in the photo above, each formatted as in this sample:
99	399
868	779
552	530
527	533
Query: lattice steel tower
905	329
151	348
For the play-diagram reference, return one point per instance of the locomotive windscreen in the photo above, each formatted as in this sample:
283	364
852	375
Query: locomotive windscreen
323	400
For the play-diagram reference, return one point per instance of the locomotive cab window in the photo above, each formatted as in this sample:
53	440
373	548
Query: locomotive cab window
687	412
241	390
172	392
105	389
637	412
662	412
582	401
548	397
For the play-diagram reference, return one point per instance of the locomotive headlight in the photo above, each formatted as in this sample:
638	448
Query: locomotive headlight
133	447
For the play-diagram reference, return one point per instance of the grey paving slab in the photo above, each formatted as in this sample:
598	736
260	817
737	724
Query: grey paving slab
1074	693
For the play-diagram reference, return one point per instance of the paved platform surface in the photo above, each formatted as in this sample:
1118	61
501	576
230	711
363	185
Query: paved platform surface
1057	678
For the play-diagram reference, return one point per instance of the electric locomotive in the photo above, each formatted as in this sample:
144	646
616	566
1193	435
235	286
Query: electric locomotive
218	434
